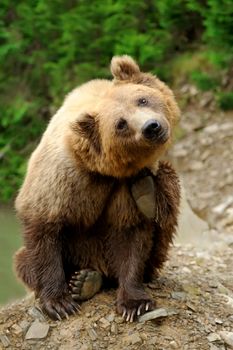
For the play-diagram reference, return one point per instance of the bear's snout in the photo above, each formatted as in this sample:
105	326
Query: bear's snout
153	130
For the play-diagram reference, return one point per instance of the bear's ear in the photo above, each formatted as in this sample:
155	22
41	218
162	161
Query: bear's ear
87	127
124	68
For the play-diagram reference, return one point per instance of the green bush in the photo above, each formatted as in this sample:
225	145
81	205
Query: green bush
204	81
225	100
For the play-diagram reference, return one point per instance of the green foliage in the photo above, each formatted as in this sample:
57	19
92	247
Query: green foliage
49	47
203	80
225	100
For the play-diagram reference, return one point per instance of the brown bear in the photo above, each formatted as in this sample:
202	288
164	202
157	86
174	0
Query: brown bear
96	198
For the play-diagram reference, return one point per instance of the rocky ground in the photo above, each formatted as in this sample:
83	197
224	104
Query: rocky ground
195	290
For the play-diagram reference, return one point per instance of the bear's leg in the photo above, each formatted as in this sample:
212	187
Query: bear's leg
84	284
131	249
166	200
23	269
44	257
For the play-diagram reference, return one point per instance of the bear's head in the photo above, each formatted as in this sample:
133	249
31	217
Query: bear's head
123	125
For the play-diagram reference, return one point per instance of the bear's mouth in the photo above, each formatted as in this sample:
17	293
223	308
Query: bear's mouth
158	138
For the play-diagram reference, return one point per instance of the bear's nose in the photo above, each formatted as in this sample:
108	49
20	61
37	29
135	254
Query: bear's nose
151	129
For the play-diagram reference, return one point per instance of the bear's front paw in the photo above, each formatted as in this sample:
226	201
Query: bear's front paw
130	309
58	308
143	194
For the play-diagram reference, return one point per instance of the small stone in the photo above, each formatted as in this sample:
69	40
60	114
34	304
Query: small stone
173	344
36	313
178	295
231	318
212	337
219	209
153	341
191	307
110	317
24	325
196	165
156	314
85	347
114	328
218	321
185	270
37	330
213	347
104	323
227	337
132	339
92	333
16	329
5	341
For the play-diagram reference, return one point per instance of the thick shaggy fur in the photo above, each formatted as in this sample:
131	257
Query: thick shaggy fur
76	204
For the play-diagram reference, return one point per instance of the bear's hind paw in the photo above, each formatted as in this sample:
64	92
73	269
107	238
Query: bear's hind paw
85	284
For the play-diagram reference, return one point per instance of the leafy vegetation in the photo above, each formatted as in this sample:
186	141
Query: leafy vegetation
48	47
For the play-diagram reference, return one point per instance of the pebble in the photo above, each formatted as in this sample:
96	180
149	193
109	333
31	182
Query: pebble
114	328
5	341
24	325
37	330
110	317
104	323
132	339
219	209
212	337
173	344
156	314
218	321
196	165
178	295
36	313
16	329
92	333
227	337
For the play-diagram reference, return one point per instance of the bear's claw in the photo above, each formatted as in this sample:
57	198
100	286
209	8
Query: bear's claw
131	309
85	284
57	309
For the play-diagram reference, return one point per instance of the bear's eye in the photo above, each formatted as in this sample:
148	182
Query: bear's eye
121	124
142	101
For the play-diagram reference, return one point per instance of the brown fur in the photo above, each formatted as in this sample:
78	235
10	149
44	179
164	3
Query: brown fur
76	204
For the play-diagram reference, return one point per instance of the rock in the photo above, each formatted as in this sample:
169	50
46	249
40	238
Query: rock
153	341
16	329
132	339
191	306
157	314
36	313
38	330
196	165
24	325
114	328
206	99
5	341
178	295
110	317
211	129
212	337
92	333
227	337
218	321
219	209
231	318
173	344
104	323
